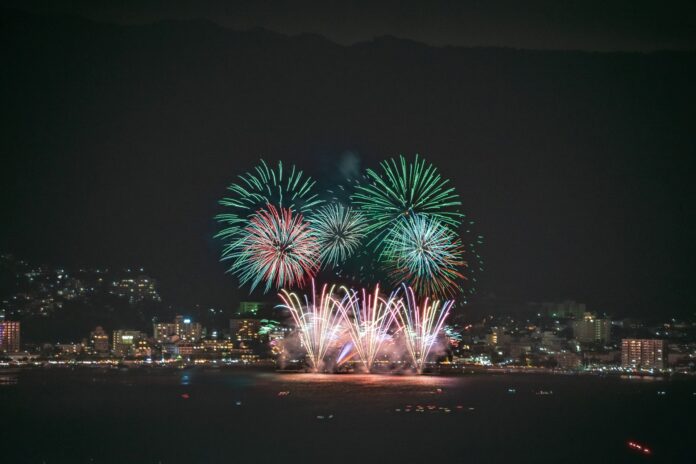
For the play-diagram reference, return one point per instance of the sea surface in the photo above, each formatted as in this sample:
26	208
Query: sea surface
249	416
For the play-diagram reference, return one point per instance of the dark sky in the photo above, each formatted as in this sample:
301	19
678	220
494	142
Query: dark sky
548	24
118	140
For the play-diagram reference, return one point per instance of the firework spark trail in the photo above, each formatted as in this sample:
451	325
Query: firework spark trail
339	230
402	189
318	321
265	185
367	317
425	254
277	248
382	200
420	325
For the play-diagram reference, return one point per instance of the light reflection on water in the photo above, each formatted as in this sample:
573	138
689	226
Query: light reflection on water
366	380
8	380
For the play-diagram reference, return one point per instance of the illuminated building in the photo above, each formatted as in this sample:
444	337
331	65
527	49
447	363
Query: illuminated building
184	349
100	340
163	331
592	330
69	348
142	349
210	349
249	357
186	329
245	329
492	338
9	336
215	346
124	341
249	307
642	353
141	288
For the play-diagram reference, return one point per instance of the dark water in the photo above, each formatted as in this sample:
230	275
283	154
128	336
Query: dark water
63	416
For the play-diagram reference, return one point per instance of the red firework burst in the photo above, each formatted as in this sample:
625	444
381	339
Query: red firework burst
277	248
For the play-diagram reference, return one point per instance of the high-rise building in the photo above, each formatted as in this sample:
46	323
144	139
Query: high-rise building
186	329
124	341
163	331
100	340
245	329
642	353
592	330
9	336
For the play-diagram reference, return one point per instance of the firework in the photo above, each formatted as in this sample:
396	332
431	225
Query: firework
317	320
475	264
262	186
277	247
421	251
367	317
339	230
420	325
402	189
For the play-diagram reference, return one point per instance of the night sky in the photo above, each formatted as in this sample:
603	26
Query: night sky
119	136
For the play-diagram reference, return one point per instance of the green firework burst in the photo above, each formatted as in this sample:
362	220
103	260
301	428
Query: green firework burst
425	254
262	186
340	230
401	189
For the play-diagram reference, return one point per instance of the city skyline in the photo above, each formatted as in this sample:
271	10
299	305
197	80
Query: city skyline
564	332
43	292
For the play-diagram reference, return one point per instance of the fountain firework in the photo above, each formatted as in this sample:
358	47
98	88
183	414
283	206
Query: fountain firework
420	325
318	321
358	325
368	318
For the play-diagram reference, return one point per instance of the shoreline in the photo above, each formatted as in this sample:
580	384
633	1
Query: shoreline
272	367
